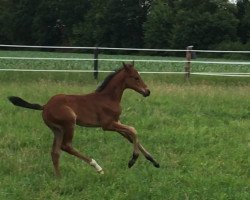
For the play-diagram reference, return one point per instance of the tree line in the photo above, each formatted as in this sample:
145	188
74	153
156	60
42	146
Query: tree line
210	24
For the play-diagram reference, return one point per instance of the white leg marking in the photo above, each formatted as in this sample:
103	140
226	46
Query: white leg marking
94	164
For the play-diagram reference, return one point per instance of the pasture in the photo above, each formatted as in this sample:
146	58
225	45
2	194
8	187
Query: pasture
197	131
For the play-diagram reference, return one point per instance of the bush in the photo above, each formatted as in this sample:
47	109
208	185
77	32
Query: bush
233	46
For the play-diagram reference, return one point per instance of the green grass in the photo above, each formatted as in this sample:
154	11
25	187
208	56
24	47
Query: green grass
197	131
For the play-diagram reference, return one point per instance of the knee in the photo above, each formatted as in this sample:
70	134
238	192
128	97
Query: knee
66	147
132	134
55	154
132	130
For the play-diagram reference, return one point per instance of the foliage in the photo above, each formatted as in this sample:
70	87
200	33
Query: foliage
244	16
120	23
206	24
159	25
112	23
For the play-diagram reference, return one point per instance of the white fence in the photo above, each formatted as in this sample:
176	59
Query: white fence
120	60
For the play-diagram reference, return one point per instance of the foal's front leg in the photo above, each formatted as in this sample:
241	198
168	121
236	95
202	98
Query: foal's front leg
130	132
143	150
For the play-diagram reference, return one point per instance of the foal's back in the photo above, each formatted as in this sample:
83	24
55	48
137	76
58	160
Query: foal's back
83	110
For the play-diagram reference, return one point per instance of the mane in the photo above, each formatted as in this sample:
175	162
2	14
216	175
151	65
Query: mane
107	80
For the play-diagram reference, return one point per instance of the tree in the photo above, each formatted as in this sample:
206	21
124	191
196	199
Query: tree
16	20
91	30
5	16
125	23
54	21
204	23
159	24
22	20
243	15
112	23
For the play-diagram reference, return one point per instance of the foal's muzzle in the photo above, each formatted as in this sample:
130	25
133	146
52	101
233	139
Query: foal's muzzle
146	93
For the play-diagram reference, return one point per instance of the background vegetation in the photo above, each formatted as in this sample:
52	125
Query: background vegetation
210	24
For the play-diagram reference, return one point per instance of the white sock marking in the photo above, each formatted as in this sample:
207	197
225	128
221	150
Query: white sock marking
94	164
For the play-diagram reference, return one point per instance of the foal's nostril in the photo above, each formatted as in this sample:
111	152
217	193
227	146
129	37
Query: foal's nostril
146	93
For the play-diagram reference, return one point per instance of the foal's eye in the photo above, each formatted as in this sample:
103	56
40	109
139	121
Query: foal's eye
135	78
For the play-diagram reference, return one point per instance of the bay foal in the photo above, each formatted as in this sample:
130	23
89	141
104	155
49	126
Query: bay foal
98	109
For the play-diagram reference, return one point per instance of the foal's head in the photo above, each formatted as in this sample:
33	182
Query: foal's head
134	81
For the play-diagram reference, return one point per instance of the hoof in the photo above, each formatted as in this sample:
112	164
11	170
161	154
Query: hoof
101	172
133	160
131	163
157	165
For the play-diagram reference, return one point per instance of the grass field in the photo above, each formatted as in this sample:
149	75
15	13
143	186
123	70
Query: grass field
197	131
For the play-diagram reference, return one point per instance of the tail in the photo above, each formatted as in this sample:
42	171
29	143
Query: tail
17	101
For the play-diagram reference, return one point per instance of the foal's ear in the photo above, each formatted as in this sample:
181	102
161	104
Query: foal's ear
126	67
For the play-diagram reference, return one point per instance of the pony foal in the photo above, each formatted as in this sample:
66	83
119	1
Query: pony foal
98	109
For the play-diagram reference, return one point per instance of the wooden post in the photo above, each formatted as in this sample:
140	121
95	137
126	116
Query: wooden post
96	51
187	67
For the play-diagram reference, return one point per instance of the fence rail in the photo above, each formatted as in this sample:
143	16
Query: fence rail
96	50
119	49
121	60
229	74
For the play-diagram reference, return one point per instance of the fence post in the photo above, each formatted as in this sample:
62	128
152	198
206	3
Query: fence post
187	67
96	51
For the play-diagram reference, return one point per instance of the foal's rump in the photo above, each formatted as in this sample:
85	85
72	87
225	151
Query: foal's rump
58	110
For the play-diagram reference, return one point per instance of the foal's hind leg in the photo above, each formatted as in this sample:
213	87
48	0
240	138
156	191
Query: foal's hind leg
56	150
67	147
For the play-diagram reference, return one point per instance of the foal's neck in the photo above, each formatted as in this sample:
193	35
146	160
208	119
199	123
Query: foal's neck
115	87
